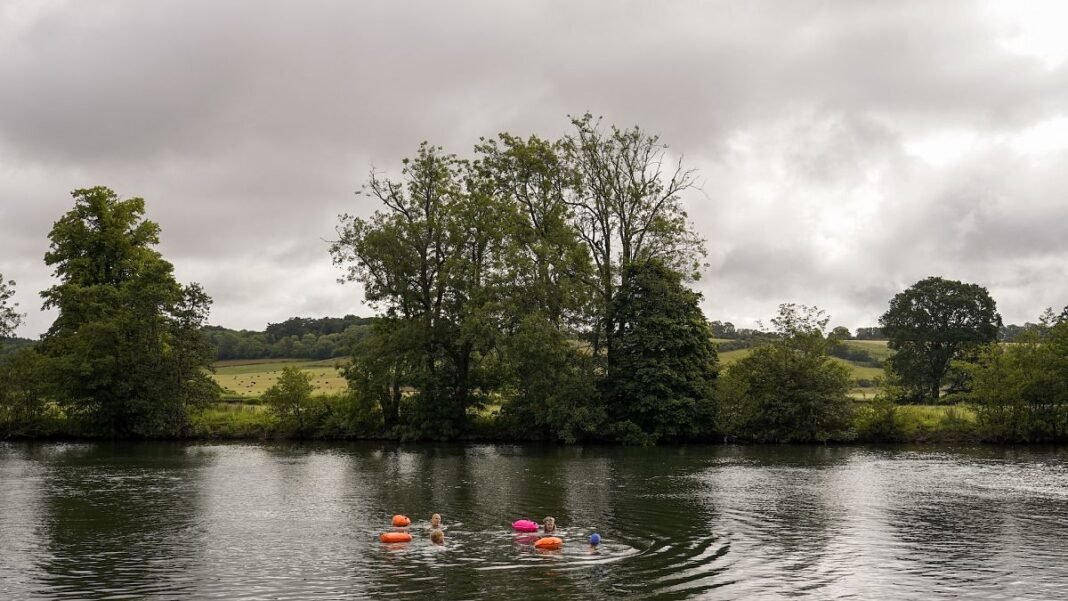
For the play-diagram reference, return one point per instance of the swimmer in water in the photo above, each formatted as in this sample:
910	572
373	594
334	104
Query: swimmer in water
437	537
435	521
550	525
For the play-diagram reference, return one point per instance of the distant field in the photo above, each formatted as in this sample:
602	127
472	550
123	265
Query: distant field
251	379
877	349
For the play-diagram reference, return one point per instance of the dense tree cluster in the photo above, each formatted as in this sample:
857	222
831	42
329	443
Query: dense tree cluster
1020	390
295	338
508	279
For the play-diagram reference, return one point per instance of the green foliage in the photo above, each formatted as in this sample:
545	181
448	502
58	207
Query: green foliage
1020	391
660	383
290	397
841	333
428	259
530	240
552	385
10	318
128	355
24	379
788	390
231	421
295	338
627	208
932	323
383	363
878	421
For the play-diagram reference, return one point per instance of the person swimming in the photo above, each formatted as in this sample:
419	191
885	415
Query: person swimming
435	521
437	537
550	525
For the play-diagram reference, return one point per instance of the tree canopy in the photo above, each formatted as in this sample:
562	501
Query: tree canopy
932	323
661	383
1020	390
10	318
127	348
531	240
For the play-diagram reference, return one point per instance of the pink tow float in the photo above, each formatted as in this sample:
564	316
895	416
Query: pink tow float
525	526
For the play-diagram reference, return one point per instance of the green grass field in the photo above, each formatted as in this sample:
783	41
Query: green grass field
875	348
251	378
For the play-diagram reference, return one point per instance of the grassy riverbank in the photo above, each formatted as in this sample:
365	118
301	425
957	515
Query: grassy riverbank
911	423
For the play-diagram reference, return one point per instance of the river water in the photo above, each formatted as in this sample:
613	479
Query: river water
248	521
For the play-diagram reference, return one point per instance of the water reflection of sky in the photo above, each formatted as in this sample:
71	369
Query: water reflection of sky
248	521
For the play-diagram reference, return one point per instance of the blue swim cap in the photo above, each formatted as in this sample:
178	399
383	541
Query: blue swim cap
595	539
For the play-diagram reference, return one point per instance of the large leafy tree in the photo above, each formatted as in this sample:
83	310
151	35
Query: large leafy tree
544	290
932	323
661	382
127	345
427	258
627	208
788	389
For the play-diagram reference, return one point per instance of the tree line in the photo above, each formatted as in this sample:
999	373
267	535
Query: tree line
536	289
294	338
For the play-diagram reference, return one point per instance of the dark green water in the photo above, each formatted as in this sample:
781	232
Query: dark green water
163	521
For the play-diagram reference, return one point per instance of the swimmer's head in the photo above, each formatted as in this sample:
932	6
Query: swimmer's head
437	537
435	520
595	539
550	524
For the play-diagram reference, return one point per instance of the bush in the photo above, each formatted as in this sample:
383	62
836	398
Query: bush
878	421
788	390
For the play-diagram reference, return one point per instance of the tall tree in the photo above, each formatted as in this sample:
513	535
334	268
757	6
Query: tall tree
627	209
546	266
427	257
932	323
128	349
665	365
10	318
544	290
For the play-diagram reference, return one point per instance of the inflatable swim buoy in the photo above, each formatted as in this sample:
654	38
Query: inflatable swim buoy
549	542
395	537
525	526
401	520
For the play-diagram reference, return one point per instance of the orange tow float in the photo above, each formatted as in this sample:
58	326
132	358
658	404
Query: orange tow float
395	537
549	542
401	521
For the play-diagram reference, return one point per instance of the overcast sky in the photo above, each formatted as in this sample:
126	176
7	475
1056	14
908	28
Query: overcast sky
845	149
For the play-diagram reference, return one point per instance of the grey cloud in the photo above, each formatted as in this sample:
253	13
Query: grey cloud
248	125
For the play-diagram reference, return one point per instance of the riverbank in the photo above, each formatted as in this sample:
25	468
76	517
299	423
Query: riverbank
252	421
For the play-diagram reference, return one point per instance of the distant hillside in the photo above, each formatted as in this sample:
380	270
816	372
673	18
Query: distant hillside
10	345
295	338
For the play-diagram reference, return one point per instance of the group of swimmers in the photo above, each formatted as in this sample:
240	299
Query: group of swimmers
437	531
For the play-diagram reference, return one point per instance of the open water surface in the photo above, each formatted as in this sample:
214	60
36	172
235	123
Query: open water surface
247	521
